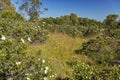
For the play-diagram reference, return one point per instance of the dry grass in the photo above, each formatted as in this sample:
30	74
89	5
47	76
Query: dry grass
58	50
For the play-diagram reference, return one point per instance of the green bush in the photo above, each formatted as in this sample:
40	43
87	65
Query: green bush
11	15
23	29
101	49
83	71
16	64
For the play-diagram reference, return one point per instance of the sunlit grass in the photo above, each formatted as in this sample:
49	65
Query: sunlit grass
58	50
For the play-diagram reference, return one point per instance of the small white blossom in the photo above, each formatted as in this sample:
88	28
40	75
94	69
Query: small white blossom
41	68
18	63
46	68
28	78
45	78
45	71
22	40
29	39
43	61
3	37
53	75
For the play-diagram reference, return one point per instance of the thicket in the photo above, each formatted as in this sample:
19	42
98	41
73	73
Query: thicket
74	26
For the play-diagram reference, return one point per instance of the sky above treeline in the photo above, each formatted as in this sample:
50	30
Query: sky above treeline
94	9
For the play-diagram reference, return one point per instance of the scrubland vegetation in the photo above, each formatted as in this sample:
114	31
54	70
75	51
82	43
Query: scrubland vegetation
63	48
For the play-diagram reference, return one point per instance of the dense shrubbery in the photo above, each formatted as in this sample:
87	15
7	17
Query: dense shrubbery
75	27
101	49
16	64
22	29
82	71
11	15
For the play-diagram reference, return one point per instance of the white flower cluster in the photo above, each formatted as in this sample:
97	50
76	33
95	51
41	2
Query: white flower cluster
3	37
18	63
23	41
46	69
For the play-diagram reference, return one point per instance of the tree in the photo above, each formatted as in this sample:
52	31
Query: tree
6	5
32	8
74	18
111	20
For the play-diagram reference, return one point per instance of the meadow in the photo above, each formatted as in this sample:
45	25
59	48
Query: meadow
53	49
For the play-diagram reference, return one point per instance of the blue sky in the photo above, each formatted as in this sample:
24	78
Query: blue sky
95	9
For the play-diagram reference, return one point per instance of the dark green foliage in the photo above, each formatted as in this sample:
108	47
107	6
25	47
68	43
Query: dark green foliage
81	27
83	71
22	29
101	49
11	15
16	64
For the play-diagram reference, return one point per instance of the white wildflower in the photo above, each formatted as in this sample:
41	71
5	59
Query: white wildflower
22	40
28	78
28	74
29	39
46	68
18	63
43	61
45	78
53	75
3	37
45	71
41	68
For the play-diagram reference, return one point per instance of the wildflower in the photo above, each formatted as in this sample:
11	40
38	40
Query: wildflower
46	68
45	78
41	68
28	78
43	61
52	75
18	63
3	37
28	74
22	40
29	39
45	71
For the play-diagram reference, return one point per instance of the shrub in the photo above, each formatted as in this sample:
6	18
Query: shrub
101	49
82	71
11	15
16	64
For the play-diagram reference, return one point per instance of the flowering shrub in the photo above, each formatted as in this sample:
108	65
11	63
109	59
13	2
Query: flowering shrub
28	31
16	64
82	71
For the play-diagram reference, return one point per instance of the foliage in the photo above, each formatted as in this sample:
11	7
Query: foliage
83	71
15	63
74	18
22	29
11	15
6	5
31	8
101	49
